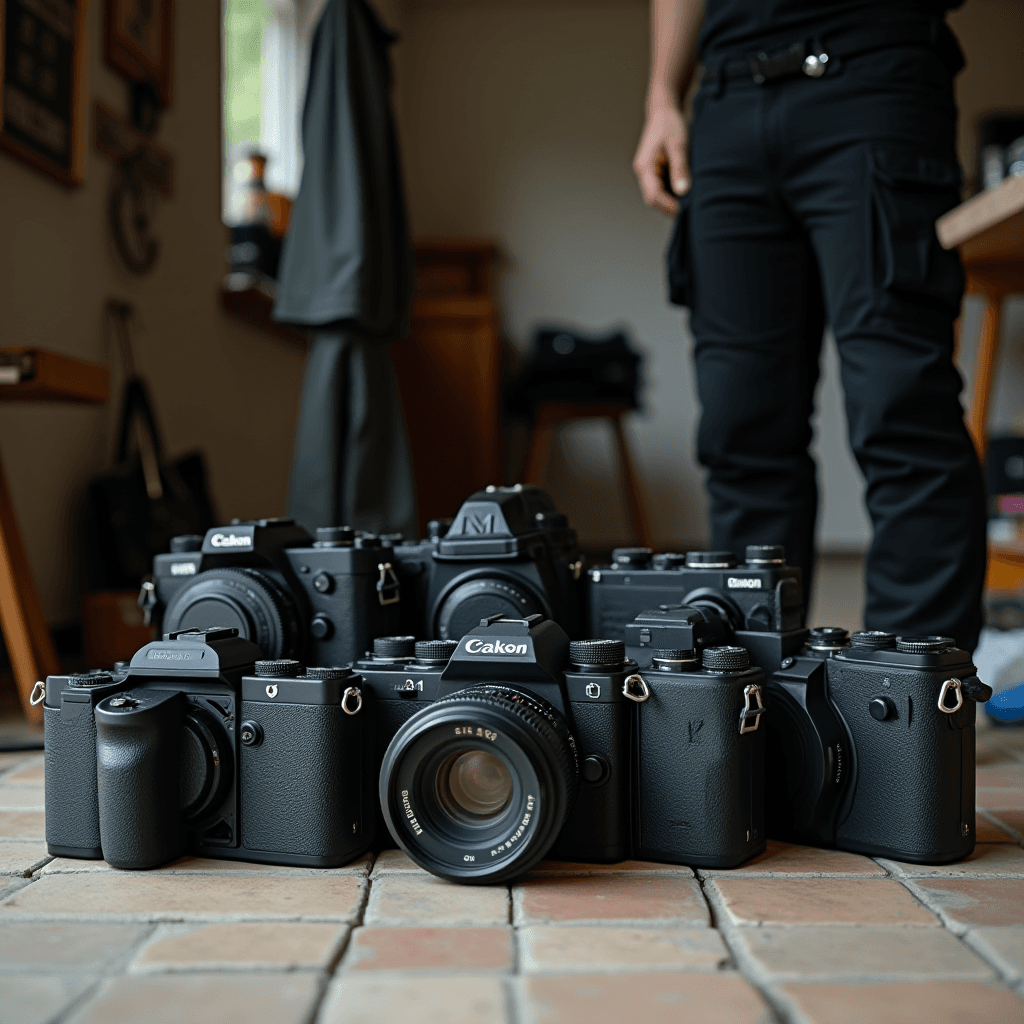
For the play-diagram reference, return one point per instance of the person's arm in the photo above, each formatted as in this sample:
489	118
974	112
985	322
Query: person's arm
674	27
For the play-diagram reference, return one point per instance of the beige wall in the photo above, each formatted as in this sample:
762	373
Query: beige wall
218	384
519	121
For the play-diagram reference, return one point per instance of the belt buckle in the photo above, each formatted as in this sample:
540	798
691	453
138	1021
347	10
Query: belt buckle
814	64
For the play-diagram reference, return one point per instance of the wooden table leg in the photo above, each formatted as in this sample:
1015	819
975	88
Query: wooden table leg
29	644
636	505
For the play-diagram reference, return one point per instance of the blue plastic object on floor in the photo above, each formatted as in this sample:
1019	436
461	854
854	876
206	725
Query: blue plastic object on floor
1007	707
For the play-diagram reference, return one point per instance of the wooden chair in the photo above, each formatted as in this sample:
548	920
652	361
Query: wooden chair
32	375
989	232
552	415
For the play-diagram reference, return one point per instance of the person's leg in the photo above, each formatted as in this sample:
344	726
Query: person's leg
869	185
756	315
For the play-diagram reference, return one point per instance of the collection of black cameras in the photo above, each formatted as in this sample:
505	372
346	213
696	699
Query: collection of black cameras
289	713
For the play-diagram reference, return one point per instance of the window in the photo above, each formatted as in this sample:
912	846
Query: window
266	55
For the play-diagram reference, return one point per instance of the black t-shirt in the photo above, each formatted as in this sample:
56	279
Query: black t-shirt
738	27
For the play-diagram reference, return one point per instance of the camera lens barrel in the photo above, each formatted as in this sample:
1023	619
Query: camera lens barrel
924	644
603	653
726	659
477	786
710	560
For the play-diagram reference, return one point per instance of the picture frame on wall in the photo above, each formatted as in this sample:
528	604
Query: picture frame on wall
138	41
43	92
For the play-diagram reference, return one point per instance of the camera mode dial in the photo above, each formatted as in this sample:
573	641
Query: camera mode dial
765	554
924	644
394	648
634	558
279	668
602	653
439	651
726	659
874	639
710	560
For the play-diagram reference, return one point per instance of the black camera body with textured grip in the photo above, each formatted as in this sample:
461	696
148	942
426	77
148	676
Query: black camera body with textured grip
871	746
508	551
703	805
527	745
317	600
191	750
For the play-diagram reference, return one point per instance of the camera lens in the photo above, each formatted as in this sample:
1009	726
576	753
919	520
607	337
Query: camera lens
479	597
248	600
477	786
477	782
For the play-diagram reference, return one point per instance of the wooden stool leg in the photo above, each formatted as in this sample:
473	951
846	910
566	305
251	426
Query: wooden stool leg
636	508
988	349
28	639
540	449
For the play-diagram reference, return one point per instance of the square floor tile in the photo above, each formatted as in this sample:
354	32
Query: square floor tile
430	949
787	859
62	947
21	858
645	899
223	998
552	949
426	900
820	901
373	998
554	868
656	998
932	1002
23	825
38	1000
988	832
977	901
243	945
870	951
177	897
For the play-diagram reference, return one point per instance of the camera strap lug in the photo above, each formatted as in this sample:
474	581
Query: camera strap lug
955	685
38	694
387	585
641	684
749	712
147	600
352	691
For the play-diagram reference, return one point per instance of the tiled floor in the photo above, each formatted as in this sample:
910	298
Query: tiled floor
798	935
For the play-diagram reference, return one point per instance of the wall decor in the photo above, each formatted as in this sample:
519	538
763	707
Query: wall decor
138	41
42	85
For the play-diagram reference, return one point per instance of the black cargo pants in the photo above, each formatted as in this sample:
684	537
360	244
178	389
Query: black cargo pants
813	203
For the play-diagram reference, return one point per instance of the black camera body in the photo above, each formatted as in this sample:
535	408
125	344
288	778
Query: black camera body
705	806
508	551
320	601
192	750
527	744
763	595
871	746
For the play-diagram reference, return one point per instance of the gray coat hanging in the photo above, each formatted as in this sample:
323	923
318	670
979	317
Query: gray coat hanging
346	273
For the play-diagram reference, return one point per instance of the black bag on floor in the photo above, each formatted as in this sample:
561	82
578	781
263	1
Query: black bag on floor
134	511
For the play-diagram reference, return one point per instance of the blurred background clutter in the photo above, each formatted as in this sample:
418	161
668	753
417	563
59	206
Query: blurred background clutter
152	154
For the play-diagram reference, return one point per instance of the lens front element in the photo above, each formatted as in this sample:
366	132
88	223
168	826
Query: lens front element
477	786
477	782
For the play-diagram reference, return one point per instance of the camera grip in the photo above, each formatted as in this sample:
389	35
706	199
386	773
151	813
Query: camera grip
138	753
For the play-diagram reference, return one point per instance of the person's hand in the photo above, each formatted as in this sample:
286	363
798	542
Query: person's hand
662	144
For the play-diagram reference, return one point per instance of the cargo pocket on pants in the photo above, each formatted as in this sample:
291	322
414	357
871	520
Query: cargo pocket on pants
909	192
677	257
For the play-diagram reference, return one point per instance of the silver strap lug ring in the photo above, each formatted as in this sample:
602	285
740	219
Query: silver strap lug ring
951	684
38	694
641	683
749	712
352	691
388	591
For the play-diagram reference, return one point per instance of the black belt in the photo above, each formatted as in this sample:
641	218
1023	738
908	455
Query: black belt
811	57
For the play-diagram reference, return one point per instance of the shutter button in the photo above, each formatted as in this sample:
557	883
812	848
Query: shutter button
814	65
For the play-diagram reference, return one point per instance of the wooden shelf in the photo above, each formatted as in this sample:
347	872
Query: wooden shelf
35	375
988	228
254	306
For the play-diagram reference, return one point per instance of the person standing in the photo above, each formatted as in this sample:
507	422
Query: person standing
822	150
